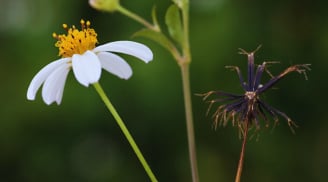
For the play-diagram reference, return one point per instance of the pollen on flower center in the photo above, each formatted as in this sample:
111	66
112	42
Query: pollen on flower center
76	41
250	95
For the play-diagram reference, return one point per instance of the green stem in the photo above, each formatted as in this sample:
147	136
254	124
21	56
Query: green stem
125	131
137	18
185	19
184	66
189	122
183	62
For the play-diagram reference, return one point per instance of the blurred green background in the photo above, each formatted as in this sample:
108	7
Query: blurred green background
80	141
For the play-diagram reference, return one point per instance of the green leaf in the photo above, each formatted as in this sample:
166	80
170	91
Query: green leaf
173	22
157	37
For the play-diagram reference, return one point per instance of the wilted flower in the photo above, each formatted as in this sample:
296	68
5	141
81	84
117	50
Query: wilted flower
248	108
79	53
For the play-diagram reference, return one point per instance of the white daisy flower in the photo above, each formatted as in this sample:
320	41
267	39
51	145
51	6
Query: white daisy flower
79	53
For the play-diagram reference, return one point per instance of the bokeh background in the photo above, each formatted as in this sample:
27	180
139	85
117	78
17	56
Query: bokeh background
80	141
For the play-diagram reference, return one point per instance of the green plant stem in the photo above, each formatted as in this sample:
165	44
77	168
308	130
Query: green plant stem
189	122
184	66
185	19
242	154
183	61
125	131
137	18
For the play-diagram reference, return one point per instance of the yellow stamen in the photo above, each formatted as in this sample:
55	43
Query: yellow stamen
76	41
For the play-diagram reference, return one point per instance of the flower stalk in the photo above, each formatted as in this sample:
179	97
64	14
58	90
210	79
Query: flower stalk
184	67
137	18
186	44
125	131
189	122
183	62
242	153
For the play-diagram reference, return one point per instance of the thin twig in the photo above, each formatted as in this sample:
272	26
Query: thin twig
242	153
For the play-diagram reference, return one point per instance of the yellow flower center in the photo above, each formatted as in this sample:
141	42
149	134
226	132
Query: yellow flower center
76	41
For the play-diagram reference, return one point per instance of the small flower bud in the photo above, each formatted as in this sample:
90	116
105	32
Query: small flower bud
105	5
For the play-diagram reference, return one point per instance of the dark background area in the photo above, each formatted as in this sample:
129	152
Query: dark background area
80	141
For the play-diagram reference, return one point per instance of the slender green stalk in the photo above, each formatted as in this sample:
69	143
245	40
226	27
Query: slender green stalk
125	131
137	18
184	66
189	122
183	61
185	19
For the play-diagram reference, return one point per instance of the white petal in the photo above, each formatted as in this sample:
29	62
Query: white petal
86	68
54	85
127	47
115	65
42	75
